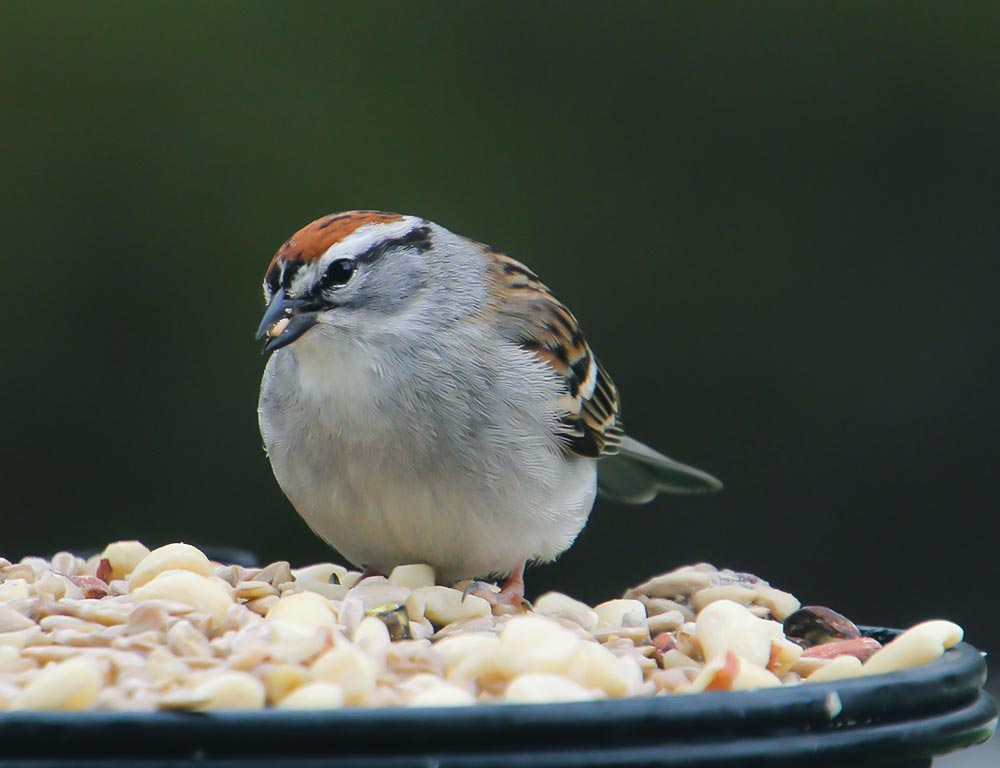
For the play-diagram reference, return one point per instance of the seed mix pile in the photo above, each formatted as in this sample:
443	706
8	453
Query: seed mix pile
132	629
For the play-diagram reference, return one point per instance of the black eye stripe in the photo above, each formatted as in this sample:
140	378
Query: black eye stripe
273	278
289	272
418	239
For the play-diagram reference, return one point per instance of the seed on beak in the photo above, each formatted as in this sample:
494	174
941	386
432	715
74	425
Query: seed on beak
276	330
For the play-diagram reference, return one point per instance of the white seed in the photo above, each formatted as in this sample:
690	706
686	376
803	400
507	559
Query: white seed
418	683
558	604
728	671
806	666
375	592
535	644
784	655
47	653
262	605
231	574
278	327
276	573
673	680
325	589
371	634
300	615
678	583
634	634
410	657
231	690
187	642
281	679
674	659
752	677
209	596
183	699
444	605
664	622
833	704
734	592
351	614
717	674
14	589
836	669
67	685
620	613
781	604
442	695
239	616
539	688
412	576
298	650
20	638
314	696
351	578
453	650
66	563
350	668
594	666
172	557
251	590
10	658
19	572
330	573
124	557
143	641
147	616
421	629
12	621
725	625
658	605
918	645
162	667
51	585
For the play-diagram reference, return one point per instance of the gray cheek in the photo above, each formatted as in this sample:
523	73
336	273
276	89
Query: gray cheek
384	289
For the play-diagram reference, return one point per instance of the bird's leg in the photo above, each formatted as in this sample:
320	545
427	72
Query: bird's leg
512	591
511	594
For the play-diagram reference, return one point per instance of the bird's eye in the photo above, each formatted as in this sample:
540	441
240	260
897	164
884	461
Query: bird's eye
338	273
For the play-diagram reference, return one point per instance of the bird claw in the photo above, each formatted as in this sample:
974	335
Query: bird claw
509	599
475	588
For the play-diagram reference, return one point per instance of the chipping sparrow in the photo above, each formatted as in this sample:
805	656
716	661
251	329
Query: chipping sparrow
427	399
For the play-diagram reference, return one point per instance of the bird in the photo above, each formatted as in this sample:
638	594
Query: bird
427	399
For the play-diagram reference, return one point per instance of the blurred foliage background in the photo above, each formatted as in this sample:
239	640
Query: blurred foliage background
777	223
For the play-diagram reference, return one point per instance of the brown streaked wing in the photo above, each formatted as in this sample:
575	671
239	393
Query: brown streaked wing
539	322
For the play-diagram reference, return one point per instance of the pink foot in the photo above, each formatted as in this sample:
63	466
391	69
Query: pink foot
509	599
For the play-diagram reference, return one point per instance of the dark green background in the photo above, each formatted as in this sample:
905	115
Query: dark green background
777	223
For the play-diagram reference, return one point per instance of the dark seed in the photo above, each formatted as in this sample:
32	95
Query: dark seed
815	625
396	620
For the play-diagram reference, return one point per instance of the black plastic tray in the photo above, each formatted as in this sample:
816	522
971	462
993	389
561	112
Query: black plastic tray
899	719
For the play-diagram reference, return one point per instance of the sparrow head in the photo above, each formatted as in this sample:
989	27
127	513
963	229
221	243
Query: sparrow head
360	262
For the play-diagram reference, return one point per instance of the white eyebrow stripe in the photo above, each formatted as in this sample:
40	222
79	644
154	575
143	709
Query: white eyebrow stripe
303	280
363	238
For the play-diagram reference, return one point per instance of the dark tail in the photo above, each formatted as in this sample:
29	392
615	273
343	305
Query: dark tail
638	473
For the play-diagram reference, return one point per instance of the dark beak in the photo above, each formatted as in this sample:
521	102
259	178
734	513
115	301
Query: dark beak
301	315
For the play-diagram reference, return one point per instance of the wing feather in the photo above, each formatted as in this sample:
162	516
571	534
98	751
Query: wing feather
542	324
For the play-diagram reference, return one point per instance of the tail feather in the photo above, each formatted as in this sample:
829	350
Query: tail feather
638	473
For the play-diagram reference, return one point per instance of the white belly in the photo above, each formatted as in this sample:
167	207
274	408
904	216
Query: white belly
376	483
